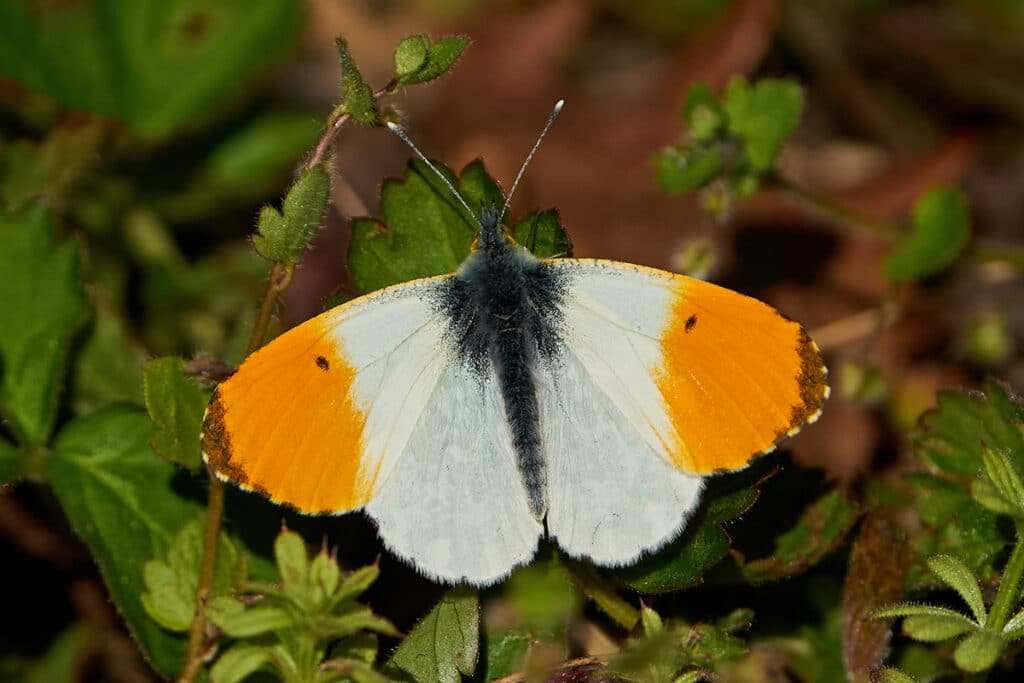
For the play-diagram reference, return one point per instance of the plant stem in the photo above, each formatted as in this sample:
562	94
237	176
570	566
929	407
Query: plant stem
839	214
598	590
280	278
1009	587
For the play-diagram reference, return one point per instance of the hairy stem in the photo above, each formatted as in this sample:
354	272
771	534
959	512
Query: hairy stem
1009	587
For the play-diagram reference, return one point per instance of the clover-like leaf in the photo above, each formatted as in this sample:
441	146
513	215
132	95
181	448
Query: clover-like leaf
418	61
939	232
685	168
763	116
443	646
423	229
176	405
43	306
411	55
284	235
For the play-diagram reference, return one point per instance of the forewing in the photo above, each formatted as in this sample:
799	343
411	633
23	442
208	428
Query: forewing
661	379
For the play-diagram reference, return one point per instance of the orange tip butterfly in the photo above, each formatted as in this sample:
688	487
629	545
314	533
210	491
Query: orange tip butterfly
469	414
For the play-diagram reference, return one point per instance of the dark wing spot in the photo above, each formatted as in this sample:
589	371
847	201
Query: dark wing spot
691	322
322	363
217	442
811	379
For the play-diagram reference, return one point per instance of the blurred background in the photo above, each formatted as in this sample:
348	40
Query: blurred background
157	130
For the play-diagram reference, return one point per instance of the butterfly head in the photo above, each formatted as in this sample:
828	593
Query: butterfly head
491	233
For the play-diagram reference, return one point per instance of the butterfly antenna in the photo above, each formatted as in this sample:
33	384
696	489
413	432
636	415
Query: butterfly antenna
522	169
400	132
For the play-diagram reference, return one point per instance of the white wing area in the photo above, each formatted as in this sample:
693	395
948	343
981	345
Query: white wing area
454	505
613	492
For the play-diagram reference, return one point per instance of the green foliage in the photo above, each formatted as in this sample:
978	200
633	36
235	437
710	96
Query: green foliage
50	168
682	563
731	142
417	60
357	97
294	622
10	463
43	307
176	406
170	597
284	235
157	65
939	232
122	501
444	645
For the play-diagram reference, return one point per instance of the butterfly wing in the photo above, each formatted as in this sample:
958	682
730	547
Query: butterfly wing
366	406
663	379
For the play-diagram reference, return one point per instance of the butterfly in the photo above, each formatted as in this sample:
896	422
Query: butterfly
470	414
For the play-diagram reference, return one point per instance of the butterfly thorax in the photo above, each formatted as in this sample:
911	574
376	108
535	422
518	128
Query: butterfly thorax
504	306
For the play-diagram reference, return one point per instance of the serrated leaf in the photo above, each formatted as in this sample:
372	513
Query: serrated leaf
821	528
283	236
121	59
411	55
357	97
932	628
440	57
542	233
763	116
444	645
176	405
681	169
939	232
958	576
11	462
950	436
978	651
171	585
423	230
238	662
683	562
44	305
123	501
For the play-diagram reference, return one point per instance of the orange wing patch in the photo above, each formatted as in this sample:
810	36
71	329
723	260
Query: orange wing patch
736	377
285	424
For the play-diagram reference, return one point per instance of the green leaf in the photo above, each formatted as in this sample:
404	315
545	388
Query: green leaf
158	65
423	230
411	55
354	585
949	437
682	563
357	97
978	651
1003	476
261	152
324	575
171	586
48	169
1014	628
284	235
956	525
939	232
444	645
292	561
651	621
958	576
123	501
176	405
107	368
913	609
932	628
542	233
43	306
506	652
763	115
11	463
440	57
254	621
891	675
820	530
681	169
543	597
62	660
238	662
702	112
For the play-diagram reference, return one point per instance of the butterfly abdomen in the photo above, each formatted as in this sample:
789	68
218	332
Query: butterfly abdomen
504	307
